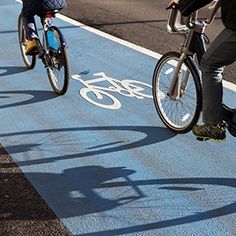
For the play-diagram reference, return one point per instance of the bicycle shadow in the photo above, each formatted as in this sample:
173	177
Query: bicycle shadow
78	194
223	210
35	95
83	190
151	135
11	70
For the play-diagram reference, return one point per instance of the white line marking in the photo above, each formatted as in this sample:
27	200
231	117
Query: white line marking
143	50
229	85
110	37
98	94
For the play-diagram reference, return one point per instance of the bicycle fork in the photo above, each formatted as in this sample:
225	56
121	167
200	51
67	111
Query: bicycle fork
176	89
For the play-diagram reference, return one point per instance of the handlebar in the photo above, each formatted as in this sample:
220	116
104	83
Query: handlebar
177	23
172	5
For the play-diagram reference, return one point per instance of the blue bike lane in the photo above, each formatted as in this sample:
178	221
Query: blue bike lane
106	165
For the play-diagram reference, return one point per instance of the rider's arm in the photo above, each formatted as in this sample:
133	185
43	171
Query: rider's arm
186	7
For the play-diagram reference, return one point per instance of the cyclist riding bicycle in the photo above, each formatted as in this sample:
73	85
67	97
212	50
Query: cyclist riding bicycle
29	10
222	52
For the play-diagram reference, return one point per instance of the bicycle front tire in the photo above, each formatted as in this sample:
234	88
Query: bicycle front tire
181	113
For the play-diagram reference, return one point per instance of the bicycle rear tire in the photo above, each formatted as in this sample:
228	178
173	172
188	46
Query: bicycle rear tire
29	60
58	68
179	114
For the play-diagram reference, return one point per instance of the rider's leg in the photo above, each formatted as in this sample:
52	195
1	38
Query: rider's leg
220	53
30	27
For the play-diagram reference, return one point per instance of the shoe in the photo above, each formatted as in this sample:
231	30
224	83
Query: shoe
210	132
31	47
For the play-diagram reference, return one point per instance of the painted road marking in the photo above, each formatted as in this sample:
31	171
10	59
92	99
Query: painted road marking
116	171
127	87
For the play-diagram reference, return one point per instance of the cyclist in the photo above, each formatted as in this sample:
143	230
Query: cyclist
222	52
29	10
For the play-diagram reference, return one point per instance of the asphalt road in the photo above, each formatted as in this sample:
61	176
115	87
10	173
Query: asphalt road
137	21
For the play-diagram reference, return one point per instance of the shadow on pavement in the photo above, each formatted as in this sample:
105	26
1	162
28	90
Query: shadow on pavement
11	70
80	191
152	135
22	210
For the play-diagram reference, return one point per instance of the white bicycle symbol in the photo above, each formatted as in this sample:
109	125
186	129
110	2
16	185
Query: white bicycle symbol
128	88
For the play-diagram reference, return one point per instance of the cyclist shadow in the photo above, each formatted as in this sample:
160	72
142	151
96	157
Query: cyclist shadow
84	194
75	188
87	190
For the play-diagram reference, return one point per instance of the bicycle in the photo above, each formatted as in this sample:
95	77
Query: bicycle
176	82
52	52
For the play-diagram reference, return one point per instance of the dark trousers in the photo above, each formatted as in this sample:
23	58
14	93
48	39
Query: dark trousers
220	54
28	12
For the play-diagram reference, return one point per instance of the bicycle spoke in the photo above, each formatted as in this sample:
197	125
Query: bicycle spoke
178	111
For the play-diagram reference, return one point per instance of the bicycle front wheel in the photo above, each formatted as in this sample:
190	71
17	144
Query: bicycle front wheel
58	69
29	60
180	112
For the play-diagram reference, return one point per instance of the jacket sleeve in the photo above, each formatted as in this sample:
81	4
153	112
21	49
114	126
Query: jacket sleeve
186	7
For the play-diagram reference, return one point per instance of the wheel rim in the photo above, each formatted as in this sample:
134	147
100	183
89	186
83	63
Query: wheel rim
28	59
58	71
176	112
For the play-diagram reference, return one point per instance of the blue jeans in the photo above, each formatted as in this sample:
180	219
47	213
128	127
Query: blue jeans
221	53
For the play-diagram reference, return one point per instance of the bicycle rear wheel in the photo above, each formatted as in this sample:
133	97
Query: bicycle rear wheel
58	69
178	113
29	60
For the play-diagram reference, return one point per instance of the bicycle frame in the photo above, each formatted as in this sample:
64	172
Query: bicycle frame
177	73
47	23
52	50
193	45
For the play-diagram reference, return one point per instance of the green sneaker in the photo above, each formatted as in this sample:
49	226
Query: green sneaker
209	132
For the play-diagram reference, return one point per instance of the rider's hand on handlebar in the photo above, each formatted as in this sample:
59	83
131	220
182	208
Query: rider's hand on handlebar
172	4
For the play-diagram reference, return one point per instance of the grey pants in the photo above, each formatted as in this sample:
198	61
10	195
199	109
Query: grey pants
221	53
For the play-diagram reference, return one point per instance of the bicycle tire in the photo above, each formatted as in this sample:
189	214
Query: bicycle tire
180	114
29	60
58	68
